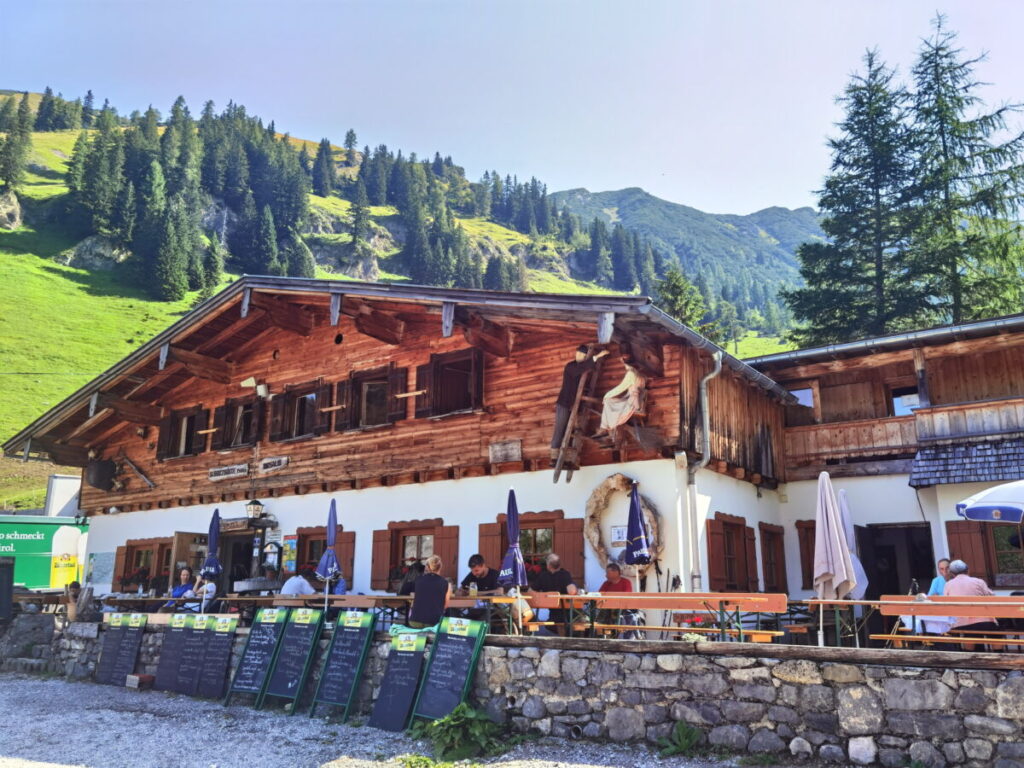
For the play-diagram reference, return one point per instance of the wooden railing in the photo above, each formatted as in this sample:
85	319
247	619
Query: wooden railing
816	443
967	421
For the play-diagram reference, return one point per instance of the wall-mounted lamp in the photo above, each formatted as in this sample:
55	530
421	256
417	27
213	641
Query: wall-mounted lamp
254	509
262	390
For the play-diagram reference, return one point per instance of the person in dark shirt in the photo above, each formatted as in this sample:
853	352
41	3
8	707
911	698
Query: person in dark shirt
486	579
571	376
554	578
430	595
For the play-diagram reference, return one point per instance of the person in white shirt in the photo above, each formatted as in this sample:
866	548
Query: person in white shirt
205	590
299	584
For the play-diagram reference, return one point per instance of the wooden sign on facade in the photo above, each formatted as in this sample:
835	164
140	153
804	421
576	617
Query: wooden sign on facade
272	464
228	472
506	450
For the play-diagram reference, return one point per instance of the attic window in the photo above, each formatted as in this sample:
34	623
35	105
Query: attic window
238	423
902	401
183	434
371	398
450	383
300	412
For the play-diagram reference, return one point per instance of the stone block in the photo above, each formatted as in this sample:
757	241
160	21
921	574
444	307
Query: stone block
631	661
696	713
779	714
734	662
991	726
973	699
917	695
660	731
670	662
647	663
729	736
549	665
575	707
841	673
925	753
766	693
556	706
654	713
830	753
953	752
624	724
892	758
817	697
574	669
741	711
800	748
1005	762
710	685
822	721
1013	749
859	711
925	724
1010	697
602	672
592	730
862	750
649	680
765	740
751	675
784	731
84	629
798	671
522	669
978	749
789	695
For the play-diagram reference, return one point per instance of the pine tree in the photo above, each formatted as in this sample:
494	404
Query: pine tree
680	298
153	207
495	276
360	212
265	251
16	147
647	275
88	113
125	214
323	170
45	112
300	259
600	254
866	280
623	260
729	323
304	162
350	148
8	114
171	262
972	183
76	166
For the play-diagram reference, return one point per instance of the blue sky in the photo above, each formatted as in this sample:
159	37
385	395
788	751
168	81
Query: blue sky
722	104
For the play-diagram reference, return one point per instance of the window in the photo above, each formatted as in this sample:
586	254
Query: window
804	396
773	558
807	408
540	534
805	538
372	398
183	433
238	423
536	544
300	412
406	542
416	548
142	562
312	542
1006	544
732	559
902	400
450	383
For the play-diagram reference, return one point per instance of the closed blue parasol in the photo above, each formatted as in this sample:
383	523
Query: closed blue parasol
211	567
328	568
513	569
638	550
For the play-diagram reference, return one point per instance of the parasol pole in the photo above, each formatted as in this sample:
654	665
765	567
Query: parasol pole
821	625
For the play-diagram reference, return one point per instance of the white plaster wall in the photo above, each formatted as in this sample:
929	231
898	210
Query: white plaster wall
466	503
873	500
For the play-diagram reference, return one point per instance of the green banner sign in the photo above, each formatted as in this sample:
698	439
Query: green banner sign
45	550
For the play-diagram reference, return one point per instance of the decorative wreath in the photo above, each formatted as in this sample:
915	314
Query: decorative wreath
598	504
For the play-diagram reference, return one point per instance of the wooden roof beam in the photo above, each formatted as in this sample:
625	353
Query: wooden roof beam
492	338
62	453
283	314
199	365
374	323
129	410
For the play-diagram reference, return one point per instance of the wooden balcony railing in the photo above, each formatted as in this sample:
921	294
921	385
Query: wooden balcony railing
817	443
970	421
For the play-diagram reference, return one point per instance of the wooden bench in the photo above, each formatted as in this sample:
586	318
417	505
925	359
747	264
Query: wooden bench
899	640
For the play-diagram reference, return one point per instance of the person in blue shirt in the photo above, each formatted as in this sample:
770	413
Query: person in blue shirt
341	587
182	589
938	586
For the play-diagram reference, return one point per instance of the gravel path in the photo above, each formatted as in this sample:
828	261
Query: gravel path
52	722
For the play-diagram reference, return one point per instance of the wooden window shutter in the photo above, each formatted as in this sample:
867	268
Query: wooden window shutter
278	412
750	539
258	408
197	440
489	544
220	439
343	398
477	380
398	384
165	438
568	545
968	541
805	537
716	555
446	546
425	381
120	563
380	565
322	420
345	548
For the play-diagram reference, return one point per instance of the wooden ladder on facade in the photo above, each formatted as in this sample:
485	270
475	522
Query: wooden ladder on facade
569	451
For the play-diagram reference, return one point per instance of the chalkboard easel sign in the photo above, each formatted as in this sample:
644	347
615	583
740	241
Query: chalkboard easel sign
343	663
170	652
453	659
259	653
213	673
120	650
401	679
294	657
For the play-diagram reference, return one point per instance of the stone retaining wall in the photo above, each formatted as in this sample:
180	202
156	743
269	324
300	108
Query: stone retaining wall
836	705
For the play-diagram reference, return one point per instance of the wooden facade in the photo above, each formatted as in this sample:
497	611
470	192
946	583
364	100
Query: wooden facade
319	363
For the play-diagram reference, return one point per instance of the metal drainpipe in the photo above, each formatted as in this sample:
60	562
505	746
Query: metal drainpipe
705	447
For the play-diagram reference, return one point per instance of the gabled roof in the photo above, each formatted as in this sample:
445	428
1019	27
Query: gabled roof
214	332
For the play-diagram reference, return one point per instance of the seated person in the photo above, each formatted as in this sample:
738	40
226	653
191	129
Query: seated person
485	579
300	584
430	592
409	580
340	586
554	578
182	589
614	582
963	585
206	590
622	401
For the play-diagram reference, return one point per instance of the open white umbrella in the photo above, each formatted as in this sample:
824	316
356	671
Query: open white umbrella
834	576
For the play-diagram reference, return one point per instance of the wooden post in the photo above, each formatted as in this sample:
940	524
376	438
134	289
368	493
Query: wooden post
164	349
335	307
605	327
922	379
447	318
246	296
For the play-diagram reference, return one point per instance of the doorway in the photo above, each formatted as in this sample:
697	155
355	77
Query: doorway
235	559
897	558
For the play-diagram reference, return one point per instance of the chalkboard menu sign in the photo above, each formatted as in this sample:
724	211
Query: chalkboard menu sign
450	669
301	633
120	649
259	652
213	674
170	652
343	664
398	687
